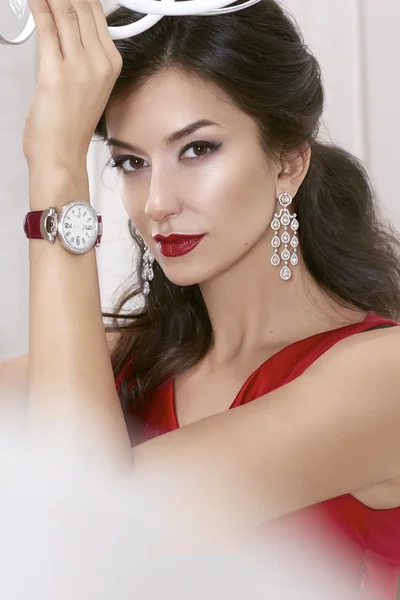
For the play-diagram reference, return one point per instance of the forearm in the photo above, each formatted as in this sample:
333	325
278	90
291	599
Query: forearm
72	392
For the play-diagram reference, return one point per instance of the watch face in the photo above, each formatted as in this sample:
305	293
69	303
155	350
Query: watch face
79	227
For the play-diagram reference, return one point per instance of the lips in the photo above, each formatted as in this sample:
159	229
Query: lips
177	245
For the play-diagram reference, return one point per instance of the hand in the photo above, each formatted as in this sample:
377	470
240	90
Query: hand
78	67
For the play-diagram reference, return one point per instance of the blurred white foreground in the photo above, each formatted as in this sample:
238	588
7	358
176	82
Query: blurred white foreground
63	537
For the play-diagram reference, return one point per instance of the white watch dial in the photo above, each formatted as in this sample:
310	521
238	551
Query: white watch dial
80	227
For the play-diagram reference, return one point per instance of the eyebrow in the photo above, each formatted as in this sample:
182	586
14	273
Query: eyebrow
173	137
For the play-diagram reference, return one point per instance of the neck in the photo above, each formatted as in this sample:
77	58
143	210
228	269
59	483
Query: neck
251	308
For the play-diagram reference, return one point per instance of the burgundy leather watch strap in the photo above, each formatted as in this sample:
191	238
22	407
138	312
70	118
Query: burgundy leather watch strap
32	225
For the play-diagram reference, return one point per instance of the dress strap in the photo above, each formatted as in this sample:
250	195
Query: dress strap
381	326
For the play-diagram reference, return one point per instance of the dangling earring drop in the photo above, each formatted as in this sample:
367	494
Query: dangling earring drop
147	271
284	219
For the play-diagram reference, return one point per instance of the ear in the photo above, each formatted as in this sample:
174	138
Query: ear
294	167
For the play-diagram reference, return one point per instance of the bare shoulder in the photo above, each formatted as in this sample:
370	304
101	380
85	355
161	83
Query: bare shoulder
362	372
375	361
378	348
391	334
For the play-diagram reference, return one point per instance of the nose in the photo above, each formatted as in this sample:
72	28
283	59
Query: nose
162	201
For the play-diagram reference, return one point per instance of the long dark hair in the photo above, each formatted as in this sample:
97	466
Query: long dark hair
258	58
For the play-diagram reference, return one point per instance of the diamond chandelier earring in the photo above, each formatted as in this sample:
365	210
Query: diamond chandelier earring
285	219
147	271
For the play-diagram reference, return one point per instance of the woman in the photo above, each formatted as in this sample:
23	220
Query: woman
269	284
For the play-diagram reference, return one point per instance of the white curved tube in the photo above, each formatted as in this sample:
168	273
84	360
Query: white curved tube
229	9
25	35
126	31
155	11
189	7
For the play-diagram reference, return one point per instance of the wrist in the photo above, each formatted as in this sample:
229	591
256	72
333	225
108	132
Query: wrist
56	186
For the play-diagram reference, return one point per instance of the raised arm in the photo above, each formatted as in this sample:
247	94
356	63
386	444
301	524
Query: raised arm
14	380
70	381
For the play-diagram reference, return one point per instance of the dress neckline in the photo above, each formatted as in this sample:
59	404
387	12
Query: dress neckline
370	318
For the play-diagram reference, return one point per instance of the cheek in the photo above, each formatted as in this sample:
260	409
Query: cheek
243	201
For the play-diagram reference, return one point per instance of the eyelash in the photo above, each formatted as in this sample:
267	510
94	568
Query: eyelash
118	162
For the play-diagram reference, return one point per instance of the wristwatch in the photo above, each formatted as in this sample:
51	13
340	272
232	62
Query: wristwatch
77	226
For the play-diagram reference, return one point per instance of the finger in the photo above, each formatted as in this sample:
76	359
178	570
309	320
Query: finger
87	25
46	31
102	31
66	19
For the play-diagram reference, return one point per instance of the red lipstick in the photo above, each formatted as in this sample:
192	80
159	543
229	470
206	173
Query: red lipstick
176	244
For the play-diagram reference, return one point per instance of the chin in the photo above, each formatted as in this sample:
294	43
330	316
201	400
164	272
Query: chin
183	281
186	277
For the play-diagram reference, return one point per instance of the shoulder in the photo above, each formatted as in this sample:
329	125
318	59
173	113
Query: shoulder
353	394
346	412
369	352
362	370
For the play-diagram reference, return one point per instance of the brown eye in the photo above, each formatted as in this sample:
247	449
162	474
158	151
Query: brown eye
199	149
136	163
128	164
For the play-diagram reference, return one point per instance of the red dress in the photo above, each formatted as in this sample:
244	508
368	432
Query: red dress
373	562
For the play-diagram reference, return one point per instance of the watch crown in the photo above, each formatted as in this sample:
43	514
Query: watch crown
53	224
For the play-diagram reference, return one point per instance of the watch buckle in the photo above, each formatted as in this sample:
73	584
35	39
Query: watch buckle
99	230
49	225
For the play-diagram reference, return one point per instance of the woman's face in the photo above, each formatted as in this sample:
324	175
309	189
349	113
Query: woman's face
214	181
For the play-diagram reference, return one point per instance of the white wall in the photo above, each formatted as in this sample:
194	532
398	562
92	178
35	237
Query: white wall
357	45
381	51
17	66
332	31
